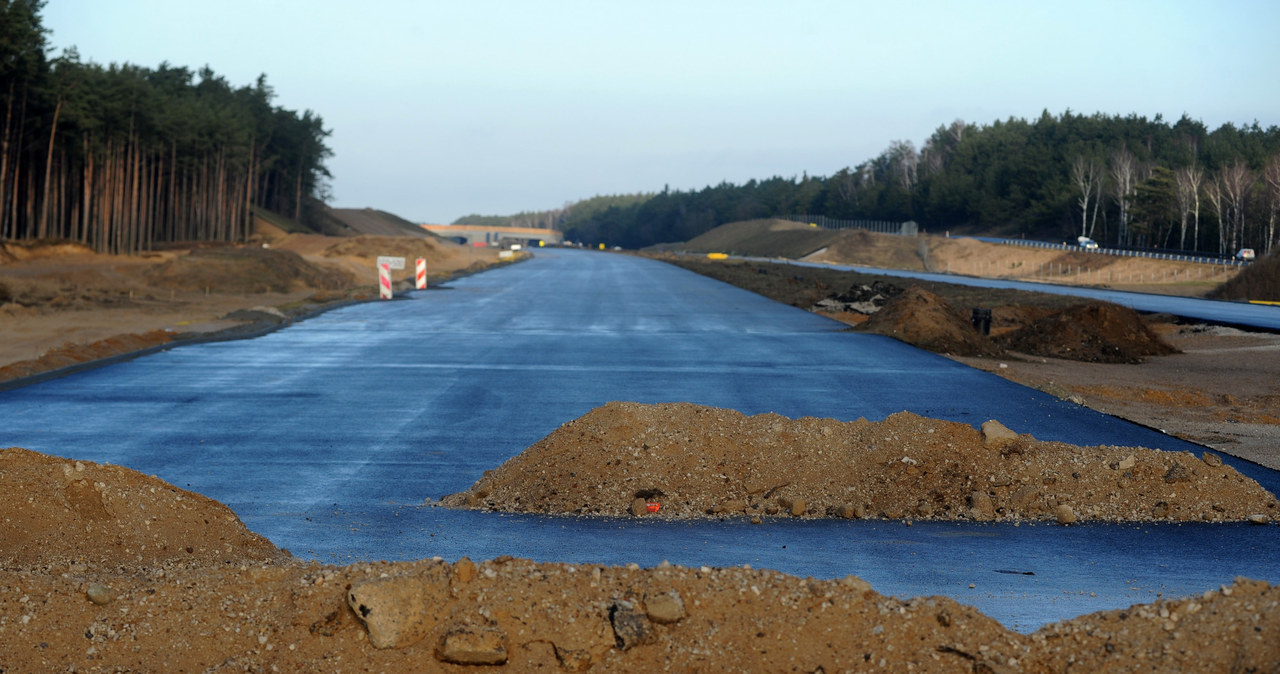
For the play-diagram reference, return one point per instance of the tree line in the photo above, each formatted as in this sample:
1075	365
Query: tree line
124	157
1123	180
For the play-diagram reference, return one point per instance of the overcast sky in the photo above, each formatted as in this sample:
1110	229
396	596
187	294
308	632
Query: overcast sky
441	109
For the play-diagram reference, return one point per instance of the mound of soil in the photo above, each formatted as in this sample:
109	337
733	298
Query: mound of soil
105	569
765	238
377	223
1094	332
696	461
18	251
1258	281
59	512
72	354
244	270
374	246
921	318
860	247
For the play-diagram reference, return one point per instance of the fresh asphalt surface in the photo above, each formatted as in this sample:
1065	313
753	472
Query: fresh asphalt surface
327	436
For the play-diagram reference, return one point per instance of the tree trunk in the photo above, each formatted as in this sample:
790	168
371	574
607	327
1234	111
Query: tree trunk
48	167
5	232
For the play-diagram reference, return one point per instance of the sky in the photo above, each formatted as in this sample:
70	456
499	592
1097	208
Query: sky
443	109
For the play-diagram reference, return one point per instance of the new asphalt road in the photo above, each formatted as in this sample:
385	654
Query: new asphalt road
327	436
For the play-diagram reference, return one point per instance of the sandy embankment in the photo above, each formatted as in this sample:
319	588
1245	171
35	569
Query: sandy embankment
61	304
102	568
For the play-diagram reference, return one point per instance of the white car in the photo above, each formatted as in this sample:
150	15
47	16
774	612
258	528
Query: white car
1245	254
1087	243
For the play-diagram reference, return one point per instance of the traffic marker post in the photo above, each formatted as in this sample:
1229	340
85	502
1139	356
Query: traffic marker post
384	281
422	274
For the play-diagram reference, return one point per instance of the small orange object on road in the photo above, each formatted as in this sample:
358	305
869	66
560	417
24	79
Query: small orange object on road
652	507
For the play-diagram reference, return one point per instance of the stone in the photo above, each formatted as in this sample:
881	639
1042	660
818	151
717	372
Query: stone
397	611
736	506
664	608
859	511
1160	510
1126	463
981	506
1177	473
1211	459
995	434
1024	497
798	507
924	509
630	626
469	645
638	507
1065	514
1259	518
99	594
574	659
464	570
845	511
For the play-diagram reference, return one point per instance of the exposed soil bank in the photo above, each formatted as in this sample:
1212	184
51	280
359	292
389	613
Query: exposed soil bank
695	461
105	569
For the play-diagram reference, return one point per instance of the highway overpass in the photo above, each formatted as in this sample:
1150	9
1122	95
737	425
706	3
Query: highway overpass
476	235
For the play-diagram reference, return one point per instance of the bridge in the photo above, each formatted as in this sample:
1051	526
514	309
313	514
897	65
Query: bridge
478	235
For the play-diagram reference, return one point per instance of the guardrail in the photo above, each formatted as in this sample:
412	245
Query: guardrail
879	226
1122	252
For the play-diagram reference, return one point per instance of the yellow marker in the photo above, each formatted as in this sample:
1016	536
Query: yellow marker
717	256
813	224
602	246
541	243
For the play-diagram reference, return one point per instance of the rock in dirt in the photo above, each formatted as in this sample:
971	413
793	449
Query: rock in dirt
99	594
860	298
665	607
631	627
995	433
469	645
398	611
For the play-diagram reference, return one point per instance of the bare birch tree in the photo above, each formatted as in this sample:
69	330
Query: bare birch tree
1124	175
1087	177
1271	179
1213	192
1237	179
1188	180
906	162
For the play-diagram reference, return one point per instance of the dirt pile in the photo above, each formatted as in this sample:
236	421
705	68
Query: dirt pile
19	251
1258	281
1094	332
860	247
72	354
921	318
371	247
244	270
765	238
59	512
105	569
696	461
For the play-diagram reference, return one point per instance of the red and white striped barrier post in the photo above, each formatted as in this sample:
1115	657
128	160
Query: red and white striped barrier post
422	274
384	281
